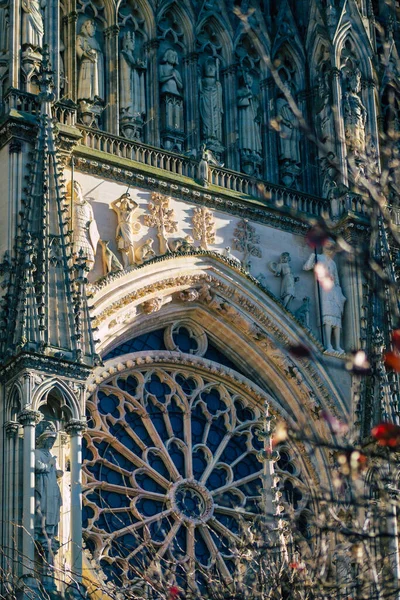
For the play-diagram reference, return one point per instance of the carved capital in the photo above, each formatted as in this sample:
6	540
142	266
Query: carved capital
151	45
11	428
111	31
75	427
29	417
15	147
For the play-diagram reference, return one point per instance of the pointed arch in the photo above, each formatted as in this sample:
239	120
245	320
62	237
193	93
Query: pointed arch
144	8
68	402
184	17
209	28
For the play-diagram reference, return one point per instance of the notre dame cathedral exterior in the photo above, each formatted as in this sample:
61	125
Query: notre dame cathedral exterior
161	162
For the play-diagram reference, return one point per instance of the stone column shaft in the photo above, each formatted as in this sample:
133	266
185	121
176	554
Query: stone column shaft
74	428
28	419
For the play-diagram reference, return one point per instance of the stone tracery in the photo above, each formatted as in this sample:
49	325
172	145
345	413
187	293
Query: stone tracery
175	481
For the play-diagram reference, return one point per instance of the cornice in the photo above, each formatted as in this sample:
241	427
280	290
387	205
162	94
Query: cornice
45	364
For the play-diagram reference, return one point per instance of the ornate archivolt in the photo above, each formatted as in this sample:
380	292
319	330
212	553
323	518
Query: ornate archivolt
172	467
225	301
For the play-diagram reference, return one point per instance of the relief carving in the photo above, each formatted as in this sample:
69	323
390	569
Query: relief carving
127	227
162	218
283	270
203	227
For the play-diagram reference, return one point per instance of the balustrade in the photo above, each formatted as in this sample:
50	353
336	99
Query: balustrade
273	195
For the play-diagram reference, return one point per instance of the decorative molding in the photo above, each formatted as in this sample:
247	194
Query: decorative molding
29	417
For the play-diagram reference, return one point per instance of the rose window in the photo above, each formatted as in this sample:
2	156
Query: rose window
170	473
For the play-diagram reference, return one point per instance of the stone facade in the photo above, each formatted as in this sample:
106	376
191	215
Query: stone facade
155	269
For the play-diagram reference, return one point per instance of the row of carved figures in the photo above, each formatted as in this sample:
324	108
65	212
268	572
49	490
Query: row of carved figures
161	217
214	98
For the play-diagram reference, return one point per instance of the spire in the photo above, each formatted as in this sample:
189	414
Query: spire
45	308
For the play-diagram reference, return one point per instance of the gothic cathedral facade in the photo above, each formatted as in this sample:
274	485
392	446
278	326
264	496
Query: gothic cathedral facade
161	163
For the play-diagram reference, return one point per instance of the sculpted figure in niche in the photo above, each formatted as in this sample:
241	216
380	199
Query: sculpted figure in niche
4	25
170	78
132	78
211	107
126	228
355	114
85	233
283	270
332	298
289	134
48	499
249	118
91	69
32	23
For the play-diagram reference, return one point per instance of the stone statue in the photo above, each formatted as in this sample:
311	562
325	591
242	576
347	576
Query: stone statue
302	314
111	263
203	171
126	228
4	25
91	68
32	23
85	233
354	114
144	251
210	105
332	298
181	244
283	270
48	500
169	76
289	134
132	79
249	120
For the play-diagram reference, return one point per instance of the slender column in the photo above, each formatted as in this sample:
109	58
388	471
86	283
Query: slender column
271	166
191	107
230	103
11	487
28	419
152	129
111	121
74	429
341	152
70	60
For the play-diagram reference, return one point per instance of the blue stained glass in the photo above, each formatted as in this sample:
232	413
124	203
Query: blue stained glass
118	520
177	458
216	434
176	418
157	388
149	508
153	340
147	483
202	552
217	479
135	421
243	413
112	571
125	544
199	463
187	384
230	522
184	340
235	448
87	513
159	530
249	465
156	462
212	398
157	419
128	385
108	404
